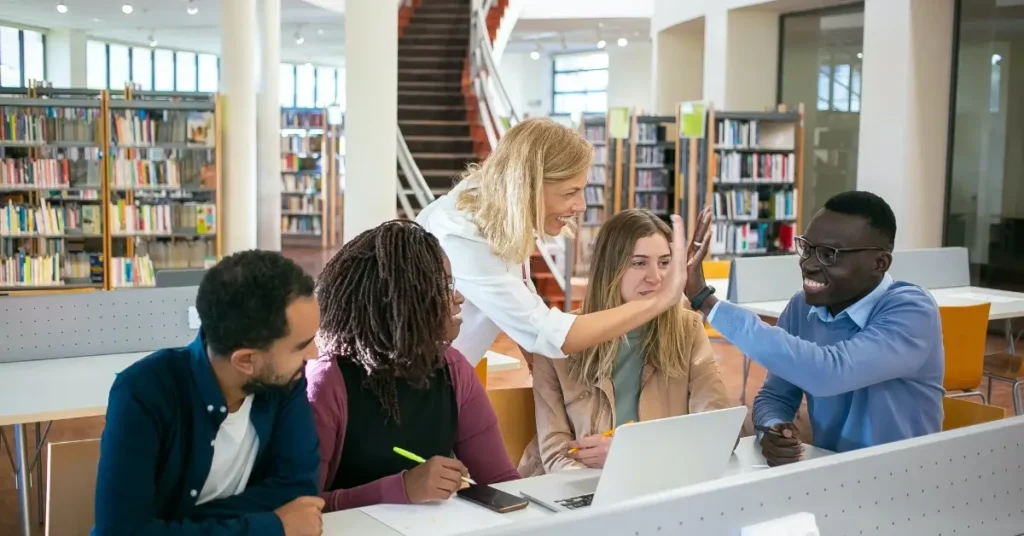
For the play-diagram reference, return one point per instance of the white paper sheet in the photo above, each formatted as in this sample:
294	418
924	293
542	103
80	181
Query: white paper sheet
991	298
454	516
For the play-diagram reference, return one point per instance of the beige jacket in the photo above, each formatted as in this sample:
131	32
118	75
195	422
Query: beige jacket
567	410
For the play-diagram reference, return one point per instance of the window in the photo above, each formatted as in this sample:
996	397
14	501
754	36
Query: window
185	69
142	68
34	56
326	94
305	86
163	70
581	83
96	65
287	77
209	73
119	66
10	57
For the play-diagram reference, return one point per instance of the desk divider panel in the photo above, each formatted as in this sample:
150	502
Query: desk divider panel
966	482
777	278
95	323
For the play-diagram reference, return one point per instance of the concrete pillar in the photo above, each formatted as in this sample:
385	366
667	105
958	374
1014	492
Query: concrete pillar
268	136
371	88
239	47
629	75
65	58
905	113
741	58
678	64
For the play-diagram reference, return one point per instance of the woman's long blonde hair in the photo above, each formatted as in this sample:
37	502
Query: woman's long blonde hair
666	339
506	194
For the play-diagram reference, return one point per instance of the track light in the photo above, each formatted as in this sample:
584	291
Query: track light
601	44
152	41
534	55
192	8
622	42
127	9
62	8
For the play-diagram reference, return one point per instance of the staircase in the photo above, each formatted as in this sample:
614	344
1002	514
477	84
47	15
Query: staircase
433	111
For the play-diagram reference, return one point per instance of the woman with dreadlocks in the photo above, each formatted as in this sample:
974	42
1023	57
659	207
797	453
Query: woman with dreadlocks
387	373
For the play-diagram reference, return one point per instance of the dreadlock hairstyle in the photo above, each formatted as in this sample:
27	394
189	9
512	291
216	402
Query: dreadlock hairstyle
384	305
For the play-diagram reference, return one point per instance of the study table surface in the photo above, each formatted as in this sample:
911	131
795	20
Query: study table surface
746	458
1005	304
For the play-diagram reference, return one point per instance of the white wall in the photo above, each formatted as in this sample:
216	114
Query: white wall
629	76
528	82
677	57
588	9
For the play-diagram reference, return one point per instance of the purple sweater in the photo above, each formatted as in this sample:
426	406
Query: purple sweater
479	445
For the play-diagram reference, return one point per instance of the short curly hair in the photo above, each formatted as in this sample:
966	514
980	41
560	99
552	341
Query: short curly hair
242	300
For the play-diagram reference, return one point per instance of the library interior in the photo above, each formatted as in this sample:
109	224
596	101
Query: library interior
146	146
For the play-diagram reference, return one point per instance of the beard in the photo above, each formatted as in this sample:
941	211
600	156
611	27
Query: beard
266	381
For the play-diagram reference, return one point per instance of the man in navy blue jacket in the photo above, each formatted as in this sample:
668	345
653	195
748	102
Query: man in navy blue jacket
217	438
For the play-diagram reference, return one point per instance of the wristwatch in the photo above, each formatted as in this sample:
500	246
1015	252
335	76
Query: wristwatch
698	300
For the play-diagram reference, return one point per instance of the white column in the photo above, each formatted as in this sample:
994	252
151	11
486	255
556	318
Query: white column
371	85
268	136
741	50
716	49
65	58
238	83
905	113
678	63
629	75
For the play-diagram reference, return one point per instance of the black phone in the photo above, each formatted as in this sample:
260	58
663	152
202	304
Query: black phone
493	499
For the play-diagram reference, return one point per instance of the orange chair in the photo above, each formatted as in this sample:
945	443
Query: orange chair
481	372
715	270
964	331
516	418
958	413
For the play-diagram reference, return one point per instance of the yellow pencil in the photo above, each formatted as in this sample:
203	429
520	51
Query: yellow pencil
609	433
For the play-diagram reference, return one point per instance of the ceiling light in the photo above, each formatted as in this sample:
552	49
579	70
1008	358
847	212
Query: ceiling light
61	8
320	31
623	42
299	40
192	8
601	44
127	9
534	55
152	40
860	55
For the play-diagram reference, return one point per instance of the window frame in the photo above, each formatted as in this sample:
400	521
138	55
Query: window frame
586	93
22	79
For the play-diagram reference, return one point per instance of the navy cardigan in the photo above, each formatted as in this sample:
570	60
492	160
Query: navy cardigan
163	415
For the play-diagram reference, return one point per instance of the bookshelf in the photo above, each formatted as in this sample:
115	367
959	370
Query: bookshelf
749	168
100	189
311	162
651	181
597	192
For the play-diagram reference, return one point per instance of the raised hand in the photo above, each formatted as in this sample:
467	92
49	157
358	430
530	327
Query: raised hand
696	254
674	283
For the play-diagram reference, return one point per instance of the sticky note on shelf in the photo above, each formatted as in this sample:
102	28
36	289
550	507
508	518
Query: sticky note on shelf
193	318
618	123
801	524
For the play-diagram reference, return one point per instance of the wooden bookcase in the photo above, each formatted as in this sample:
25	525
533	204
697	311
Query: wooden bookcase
749	168
310	166
99	189
598	191
649	164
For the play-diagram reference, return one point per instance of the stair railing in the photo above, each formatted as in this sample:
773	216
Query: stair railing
415	185
491	95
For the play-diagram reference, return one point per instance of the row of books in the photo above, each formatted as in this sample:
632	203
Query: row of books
48	220
49	173
651	156
751	238
594	215
747	134
300	183
30	271
594	133
300	225
127	272
50	124
594	196
294	203
302	119
198	253
302	144
753	205
185	218
649	133
756	167
598	176
653	178
600	155
148	127
657	202
292	161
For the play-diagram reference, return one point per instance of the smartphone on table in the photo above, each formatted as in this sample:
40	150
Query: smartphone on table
493	499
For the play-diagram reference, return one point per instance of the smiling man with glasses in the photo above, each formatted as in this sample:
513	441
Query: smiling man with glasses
866	350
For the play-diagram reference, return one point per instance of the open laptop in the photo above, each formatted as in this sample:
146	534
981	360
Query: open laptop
649	457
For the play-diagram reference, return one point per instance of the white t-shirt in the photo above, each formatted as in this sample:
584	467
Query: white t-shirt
234	453
496	298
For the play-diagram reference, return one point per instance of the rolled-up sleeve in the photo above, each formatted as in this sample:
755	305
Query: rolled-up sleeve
496	288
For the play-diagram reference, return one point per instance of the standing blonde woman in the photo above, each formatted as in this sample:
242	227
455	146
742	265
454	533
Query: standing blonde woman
532	185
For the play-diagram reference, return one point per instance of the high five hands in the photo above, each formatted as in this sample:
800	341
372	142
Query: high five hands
685	271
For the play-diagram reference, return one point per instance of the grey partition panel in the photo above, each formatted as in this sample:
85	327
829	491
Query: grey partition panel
179	278
763	279
95	323
932	268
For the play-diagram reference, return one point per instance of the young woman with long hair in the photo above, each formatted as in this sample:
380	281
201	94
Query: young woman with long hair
662	368
532	186
388	377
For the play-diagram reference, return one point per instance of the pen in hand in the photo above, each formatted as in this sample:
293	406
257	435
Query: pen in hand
609	433
419	459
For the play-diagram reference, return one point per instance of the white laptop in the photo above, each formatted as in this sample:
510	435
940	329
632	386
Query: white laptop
649	457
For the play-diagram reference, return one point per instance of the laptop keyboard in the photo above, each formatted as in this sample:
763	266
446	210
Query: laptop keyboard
573	503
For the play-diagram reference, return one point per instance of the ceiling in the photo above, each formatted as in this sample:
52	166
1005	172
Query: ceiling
575	35
319	22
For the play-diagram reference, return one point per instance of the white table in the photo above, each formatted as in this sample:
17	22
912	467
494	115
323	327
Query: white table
500	362
745	459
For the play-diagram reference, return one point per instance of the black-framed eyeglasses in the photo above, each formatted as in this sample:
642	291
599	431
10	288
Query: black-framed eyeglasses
826	255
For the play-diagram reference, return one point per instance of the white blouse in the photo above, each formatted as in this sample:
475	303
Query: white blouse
496	298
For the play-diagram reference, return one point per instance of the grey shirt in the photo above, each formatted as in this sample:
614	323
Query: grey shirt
629	365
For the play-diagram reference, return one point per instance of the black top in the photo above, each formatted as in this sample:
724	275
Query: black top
427	426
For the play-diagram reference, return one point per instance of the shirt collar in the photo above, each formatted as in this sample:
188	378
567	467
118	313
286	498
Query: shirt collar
205	380
859	311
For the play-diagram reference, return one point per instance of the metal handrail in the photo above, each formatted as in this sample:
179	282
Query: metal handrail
417	185
486	52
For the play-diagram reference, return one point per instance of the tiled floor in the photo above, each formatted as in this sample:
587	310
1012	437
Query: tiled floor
730	364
